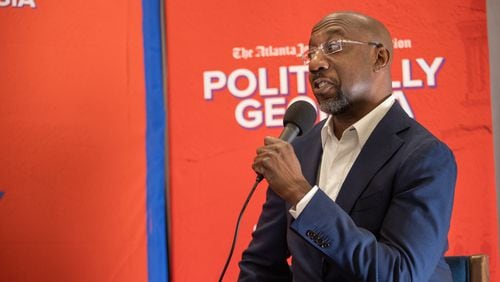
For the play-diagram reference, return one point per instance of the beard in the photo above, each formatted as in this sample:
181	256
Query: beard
335	105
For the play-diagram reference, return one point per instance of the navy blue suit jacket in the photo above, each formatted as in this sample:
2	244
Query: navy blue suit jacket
389	222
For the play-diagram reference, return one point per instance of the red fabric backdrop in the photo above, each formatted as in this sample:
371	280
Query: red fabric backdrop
232	68
72	146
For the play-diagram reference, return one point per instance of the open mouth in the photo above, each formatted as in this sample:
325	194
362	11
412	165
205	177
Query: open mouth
322	84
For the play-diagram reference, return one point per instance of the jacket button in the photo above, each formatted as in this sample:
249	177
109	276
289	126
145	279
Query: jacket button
310	234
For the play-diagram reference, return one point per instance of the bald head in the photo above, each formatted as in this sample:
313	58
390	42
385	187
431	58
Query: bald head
366	28
356	77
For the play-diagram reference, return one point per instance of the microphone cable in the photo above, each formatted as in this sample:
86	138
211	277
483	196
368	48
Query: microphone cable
257	181
298	118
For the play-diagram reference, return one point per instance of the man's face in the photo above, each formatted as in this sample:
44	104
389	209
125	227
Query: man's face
340	81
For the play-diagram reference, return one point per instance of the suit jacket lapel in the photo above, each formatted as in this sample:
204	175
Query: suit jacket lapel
380	146
309	150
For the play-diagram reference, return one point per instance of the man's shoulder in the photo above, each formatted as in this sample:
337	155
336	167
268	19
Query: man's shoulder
406	127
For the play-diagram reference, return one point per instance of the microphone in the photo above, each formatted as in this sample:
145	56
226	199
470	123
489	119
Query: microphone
299	118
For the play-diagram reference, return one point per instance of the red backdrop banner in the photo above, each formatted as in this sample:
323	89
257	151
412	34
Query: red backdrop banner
233	69
72	126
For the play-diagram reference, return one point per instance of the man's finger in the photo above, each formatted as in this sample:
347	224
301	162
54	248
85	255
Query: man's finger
269	140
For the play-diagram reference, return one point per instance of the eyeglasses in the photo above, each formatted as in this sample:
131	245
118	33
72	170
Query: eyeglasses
332	47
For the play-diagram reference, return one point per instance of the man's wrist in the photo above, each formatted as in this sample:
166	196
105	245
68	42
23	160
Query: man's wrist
299	191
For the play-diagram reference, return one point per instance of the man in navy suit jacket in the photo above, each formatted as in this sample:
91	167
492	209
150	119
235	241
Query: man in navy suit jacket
367	194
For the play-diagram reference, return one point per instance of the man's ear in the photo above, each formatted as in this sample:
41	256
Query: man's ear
382	59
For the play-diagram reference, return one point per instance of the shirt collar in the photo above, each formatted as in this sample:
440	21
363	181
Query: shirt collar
365	126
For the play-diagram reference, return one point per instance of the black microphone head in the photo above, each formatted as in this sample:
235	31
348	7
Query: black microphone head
302	114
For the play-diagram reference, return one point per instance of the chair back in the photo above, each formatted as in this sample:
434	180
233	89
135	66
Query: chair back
472	268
